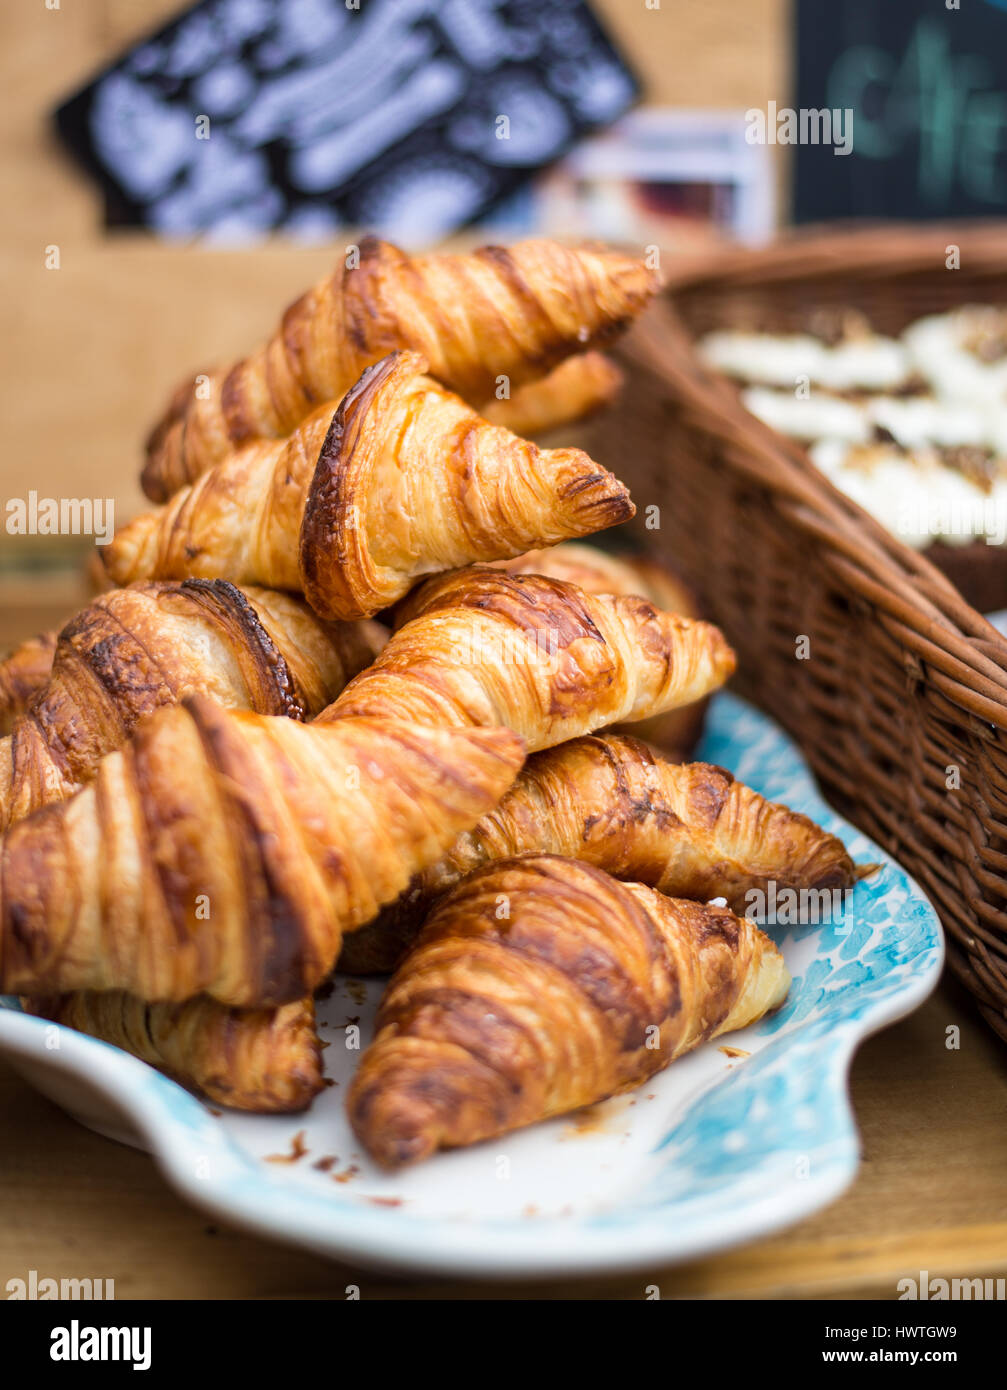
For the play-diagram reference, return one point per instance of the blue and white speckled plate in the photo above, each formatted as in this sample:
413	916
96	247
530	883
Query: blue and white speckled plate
717	1150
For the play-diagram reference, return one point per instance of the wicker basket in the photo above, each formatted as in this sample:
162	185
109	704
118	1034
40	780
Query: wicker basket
903	690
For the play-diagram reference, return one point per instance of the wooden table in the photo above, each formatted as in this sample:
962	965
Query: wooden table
931	1194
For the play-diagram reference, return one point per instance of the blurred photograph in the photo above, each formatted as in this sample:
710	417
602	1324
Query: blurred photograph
503	669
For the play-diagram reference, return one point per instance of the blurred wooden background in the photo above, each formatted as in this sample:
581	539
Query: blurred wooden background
92	349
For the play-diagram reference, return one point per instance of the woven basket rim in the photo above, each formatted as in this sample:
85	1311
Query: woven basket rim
861	251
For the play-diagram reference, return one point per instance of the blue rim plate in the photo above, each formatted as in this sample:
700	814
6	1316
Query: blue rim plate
723	1147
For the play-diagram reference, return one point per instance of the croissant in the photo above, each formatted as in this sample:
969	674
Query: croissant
266	1060
599	571
225	853
689	830
579	387
539	986
494	313
22	674
133	650
534	655
575	389
402	480
676	731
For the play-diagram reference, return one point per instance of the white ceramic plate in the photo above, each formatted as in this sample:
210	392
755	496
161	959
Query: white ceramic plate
716	1150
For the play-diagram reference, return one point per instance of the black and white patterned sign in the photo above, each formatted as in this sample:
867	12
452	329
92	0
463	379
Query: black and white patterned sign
411	117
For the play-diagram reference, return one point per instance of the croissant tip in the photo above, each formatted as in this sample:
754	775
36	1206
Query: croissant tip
641	279
393	1151
107	559
595	499
152	483
392	1128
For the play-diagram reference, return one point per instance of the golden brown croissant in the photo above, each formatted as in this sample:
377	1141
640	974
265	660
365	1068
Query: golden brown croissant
676	732
132	650
225	853
494	313
22	675
534	655
689	830
539	986
599	571
575	389
266	1060
403	480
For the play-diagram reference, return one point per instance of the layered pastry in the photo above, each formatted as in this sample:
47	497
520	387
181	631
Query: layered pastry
839	353
963	354
914	429
222	772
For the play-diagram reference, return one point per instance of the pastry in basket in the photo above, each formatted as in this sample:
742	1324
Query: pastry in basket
265	1060
574	390
817	384
917	421
225	853
539	986
402	480
948	502
597	572
535	655
132	650
22	674
963	353
839	353
513	313
815	415
925	455
689	830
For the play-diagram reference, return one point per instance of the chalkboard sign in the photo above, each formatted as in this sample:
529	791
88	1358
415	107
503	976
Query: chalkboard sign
409	117
926	82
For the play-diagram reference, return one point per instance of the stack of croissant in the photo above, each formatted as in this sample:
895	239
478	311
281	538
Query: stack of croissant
226	778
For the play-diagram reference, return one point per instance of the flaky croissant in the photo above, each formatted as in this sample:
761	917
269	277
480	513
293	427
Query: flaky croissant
22	674
402	480
539	986
265	1060
132	650
534	655
575	389
676	731
598	571
689	830
225	853
494	313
